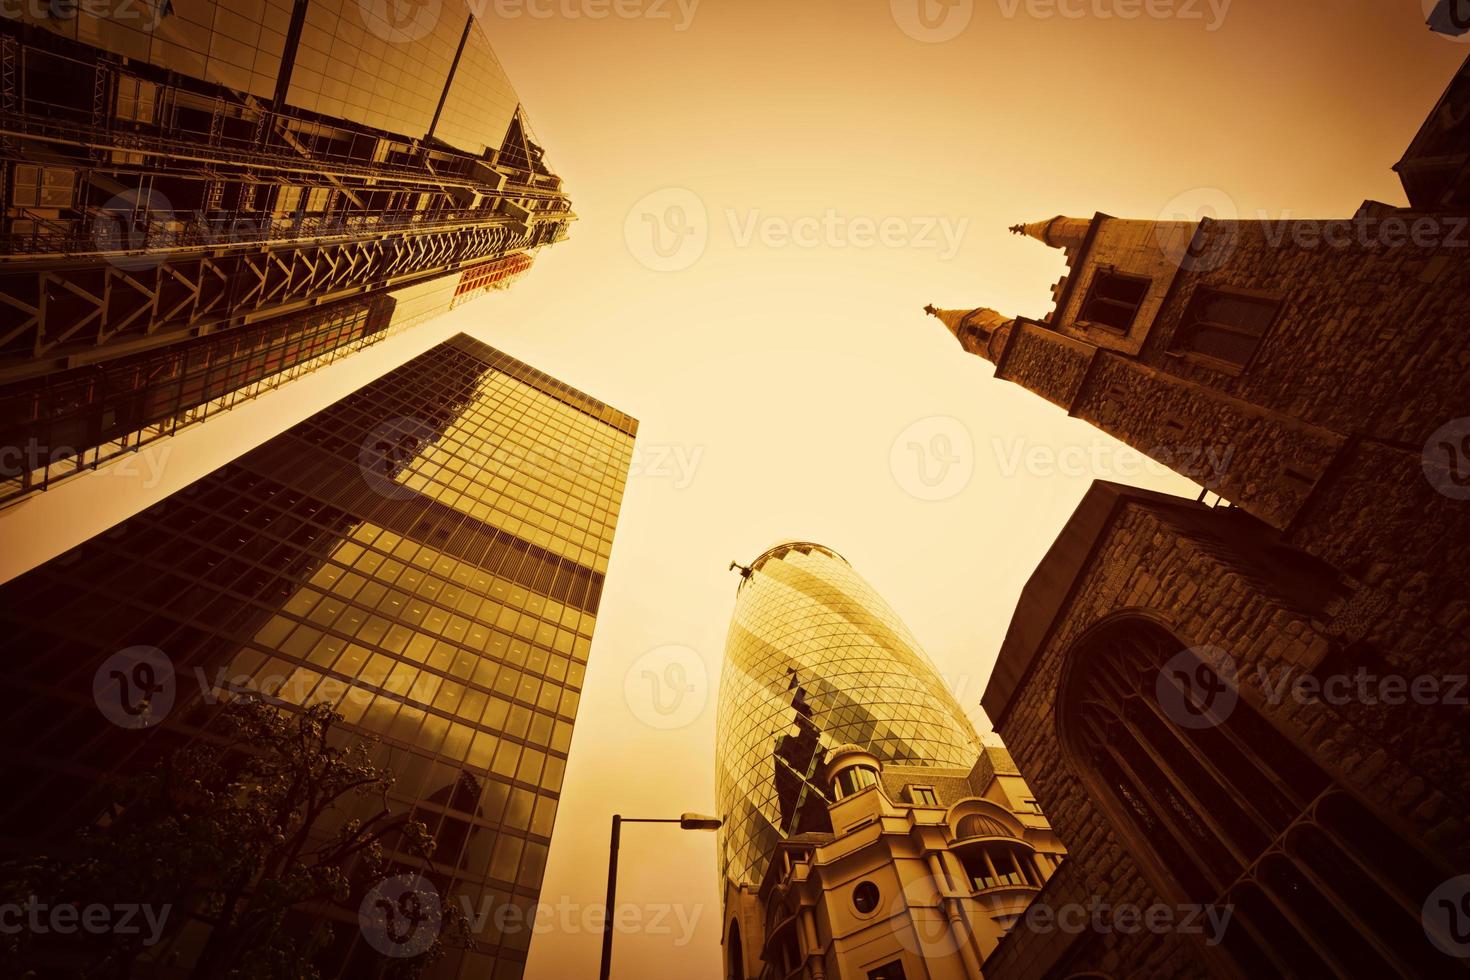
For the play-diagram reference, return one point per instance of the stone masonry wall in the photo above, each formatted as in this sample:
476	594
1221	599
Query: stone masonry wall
1047	363
1207	593
1257	460
1373	335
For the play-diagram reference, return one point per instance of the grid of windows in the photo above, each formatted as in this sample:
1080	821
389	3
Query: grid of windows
239	45
465	653
380	65
485	276
480	101
804	610
512	455
64	424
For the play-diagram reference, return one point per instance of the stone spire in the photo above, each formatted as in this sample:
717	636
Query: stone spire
1058	232
953	319
980	331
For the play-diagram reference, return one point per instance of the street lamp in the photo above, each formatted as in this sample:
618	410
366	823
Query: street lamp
689	821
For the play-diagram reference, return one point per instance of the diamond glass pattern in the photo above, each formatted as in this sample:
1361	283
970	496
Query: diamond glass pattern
804	609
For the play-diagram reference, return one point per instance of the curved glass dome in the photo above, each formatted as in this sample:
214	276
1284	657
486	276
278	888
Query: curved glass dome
815	659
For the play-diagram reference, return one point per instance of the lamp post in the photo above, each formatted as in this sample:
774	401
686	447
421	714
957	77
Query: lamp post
689	821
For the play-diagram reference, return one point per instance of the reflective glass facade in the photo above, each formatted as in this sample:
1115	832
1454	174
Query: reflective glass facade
379	63
183	169
812	649
427	555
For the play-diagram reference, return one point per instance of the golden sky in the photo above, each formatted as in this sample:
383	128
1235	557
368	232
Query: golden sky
815	173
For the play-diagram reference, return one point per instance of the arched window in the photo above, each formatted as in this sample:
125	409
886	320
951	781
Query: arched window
1225	810
853	779
980	825
735	955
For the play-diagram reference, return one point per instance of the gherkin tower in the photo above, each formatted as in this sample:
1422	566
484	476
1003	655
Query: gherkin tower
815	659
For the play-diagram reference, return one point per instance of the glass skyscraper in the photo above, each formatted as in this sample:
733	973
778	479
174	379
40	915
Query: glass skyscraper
201	200
815	659
427	554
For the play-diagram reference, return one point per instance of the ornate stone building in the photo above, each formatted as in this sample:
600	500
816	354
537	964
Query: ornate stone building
921	874
1256	709
868	834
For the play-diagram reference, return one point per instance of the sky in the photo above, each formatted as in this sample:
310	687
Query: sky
769	193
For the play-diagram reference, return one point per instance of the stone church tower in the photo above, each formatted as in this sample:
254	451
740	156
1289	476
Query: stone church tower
1259	706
